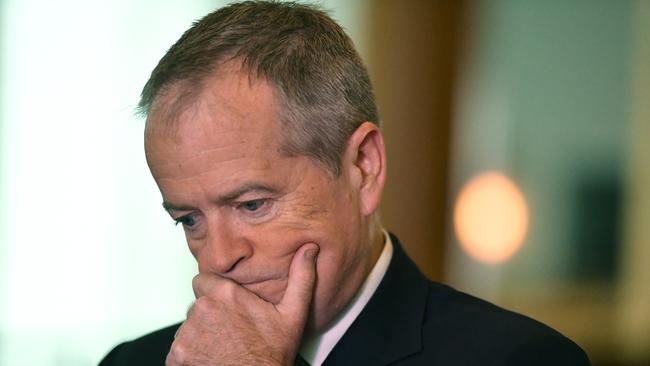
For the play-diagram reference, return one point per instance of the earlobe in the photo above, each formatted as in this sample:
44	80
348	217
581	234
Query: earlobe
367	160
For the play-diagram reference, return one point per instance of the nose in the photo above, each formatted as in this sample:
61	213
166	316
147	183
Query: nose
224	248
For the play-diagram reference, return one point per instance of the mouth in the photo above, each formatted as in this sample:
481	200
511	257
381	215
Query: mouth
270	290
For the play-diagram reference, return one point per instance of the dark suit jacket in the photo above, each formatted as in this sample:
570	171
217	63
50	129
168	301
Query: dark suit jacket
413	321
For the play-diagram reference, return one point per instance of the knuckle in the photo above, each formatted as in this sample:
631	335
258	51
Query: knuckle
196	283
177	355
191	311
229	290
202	305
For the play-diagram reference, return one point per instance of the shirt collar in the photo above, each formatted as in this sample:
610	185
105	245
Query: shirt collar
315	349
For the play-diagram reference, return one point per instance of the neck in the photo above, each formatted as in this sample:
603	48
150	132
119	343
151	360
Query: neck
376	240
373	246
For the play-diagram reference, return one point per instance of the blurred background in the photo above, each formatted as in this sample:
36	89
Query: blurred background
518	165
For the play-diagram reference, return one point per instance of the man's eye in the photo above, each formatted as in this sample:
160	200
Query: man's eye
252	205
187	220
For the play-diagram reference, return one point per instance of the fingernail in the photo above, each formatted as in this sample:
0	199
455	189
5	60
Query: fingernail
310	254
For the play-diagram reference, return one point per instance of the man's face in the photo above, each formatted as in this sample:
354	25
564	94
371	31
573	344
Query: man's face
244	206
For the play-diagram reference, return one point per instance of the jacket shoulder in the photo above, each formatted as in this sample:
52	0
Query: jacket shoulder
148	350
466	328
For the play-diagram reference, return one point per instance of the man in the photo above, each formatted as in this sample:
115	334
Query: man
261	135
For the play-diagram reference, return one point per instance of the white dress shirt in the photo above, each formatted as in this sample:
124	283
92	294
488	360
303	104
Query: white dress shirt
316	348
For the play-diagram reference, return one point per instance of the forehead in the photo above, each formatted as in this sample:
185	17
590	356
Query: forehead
230	115
231	98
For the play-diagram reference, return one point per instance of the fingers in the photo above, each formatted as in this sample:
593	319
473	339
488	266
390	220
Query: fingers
202	284
227	320
301	283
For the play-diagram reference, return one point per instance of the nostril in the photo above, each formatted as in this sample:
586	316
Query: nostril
234	265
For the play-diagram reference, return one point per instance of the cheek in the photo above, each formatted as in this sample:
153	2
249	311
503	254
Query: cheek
274	247
339	275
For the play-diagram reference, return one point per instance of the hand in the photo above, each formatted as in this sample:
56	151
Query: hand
229	325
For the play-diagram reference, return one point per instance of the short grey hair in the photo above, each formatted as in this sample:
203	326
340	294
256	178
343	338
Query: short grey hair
321	85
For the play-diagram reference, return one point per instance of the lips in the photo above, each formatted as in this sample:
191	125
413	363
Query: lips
270	290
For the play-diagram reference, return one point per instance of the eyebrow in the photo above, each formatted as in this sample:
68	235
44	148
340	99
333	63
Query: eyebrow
228	197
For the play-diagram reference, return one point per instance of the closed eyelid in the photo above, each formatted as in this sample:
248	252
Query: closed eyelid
267	210
261	201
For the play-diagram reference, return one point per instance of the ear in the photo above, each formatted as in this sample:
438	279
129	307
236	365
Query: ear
365	161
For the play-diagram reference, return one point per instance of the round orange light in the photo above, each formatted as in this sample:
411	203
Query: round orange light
491	218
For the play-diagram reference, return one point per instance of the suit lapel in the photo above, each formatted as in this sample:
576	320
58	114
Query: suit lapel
389	327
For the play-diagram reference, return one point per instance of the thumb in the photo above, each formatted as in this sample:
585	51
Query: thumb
301	283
